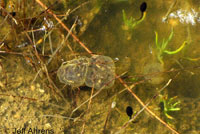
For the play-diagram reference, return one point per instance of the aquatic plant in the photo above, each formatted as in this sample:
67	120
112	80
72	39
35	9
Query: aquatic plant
161	47
169	105
129	24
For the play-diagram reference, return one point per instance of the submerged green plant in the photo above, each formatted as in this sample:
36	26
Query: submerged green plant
161	47
129	24
169	105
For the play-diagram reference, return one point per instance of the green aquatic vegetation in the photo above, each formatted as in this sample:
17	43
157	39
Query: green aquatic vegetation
130	23
161	47
168	105
192	59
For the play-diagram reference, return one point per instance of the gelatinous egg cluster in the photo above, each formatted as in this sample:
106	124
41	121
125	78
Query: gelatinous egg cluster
73	72
97	71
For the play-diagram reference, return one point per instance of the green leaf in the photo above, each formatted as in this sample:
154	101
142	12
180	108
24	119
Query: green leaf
171	35
156	40
177	50
168	116
168	40
174	109
124	16
176	104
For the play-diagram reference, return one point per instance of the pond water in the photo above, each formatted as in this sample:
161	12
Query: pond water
157	51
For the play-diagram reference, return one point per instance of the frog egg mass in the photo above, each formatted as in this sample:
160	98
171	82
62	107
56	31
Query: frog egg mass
73	72
97	71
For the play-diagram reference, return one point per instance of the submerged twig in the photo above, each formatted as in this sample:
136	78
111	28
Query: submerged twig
165	18
59	116
50	43
4	20
79	6
4	10
59	47
89	103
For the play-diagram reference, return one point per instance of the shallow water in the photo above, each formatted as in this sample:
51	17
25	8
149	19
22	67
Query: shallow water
32	96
